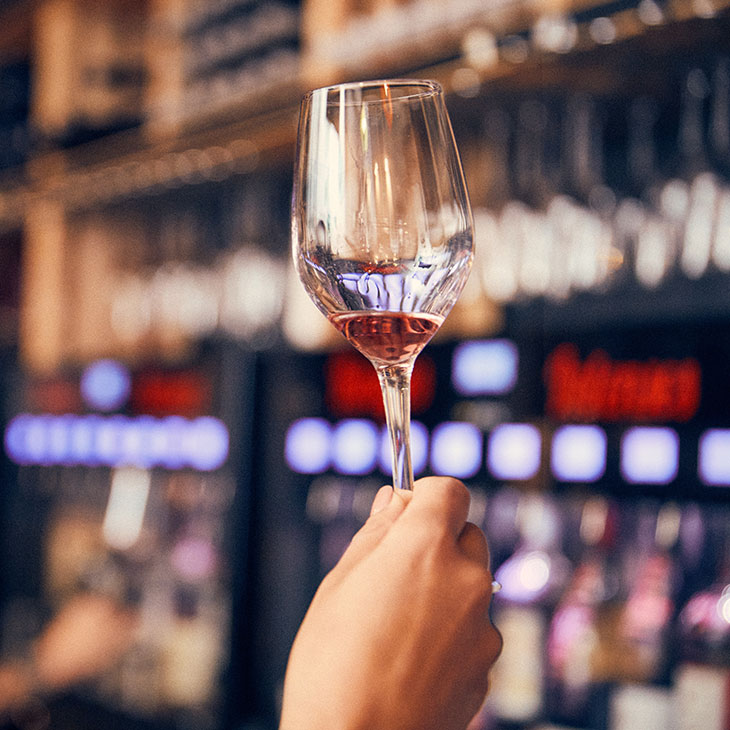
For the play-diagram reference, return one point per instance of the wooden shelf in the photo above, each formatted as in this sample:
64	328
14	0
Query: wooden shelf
260	131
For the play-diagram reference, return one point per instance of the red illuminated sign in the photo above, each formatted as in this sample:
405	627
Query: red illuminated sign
602	389
182	393
352	387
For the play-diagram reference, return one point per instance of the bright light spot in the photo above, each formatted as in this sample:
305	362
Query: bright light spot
535	571
514	451
714	457
723	605
108	440
650	455
307	447
105	385
207	447
579	453
125	509
177	444
143	441
194	558
487	367
456	449
524	576
602	30
354	446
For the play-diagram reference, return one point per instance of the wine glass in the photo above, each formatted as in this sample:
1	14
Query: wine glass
382	227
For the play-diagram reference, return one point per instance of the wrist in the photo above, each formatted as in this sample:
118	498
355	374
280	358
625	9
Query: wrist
22	692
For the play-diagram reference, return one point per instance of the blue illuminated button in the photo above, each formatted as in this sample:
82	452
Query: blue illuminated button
649	455
514	451
355	446
16	439
307	445
109	433
175	456
714	457
456	449
144	442
154	447
419	449
484	367
133	449
105	385
58	446
208	448
82	436
578	453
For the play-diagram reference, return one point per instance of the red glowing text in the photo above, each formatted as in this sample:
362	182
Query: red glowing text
602	389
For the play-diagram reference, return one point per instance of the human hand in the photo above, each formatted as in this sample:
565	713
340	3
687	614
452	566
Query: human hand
398	636
86	637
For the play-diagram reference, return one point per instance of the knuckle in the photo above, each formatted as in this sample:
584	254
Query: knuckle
455	490
495	642
448	488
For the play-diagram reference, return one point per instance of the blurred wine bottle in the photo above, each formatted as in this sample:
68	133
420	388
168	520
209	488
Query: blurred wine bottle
578	645
532	580
89	71
702	673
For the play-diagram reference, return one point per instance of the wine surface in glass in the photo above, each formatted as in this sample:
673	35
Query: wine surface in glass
387	338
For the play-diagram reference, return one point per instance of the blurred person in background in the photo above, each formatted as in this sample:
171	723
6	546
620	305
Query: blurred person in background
86	637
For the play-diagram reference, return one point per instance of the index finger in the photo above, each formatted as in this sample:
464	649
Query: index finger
440	500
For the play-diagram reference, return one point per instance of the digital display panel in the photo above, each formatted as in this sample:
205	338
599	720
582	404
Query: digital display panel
514	451
456	449
173	442
649	455
578	453
354	446
106	385
485	367
307	446
714	457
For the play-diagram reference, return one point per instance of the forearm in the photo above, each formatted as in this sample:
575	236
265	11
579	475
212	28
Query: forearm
18	684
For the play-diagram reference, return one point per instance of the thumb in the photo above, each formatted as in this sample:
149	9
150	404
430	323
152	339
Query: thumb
387	507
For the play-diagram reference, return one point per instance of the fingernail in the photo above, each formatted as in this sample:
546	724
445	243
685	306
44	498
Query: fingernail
382	499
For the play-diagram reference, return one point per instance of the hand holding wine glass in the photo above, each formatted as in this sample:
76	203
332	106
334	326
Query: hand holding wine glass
381	227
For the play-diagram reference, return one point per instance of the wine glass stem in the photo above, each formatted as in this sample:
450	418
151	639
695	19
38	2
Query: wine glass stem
395	383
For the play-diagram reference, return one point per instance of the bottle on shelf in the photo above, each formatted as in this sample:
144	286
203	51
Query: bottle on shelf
701	677
642	623
578	643
532	579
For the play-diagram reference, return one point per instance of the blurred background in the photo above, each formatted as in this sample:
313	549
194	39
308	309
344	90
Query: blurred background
185	436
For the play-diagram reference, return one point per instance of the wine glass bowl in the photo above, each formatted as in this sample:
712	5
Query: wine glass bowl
381	226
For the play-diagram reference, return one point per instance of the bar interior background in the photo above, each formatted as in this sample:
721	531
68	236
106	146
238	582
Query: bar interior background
182	431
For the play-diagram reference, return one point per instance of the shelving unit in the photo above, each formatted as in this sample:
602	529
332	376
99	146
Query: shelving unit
498	48
480	52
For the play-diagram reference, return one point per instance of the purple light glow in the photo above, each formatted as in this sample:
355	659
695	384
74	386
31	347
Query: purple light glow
714	457
105	385
144	442
456	449
649	455
578	453
514	451
307	446
485	367
354	446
